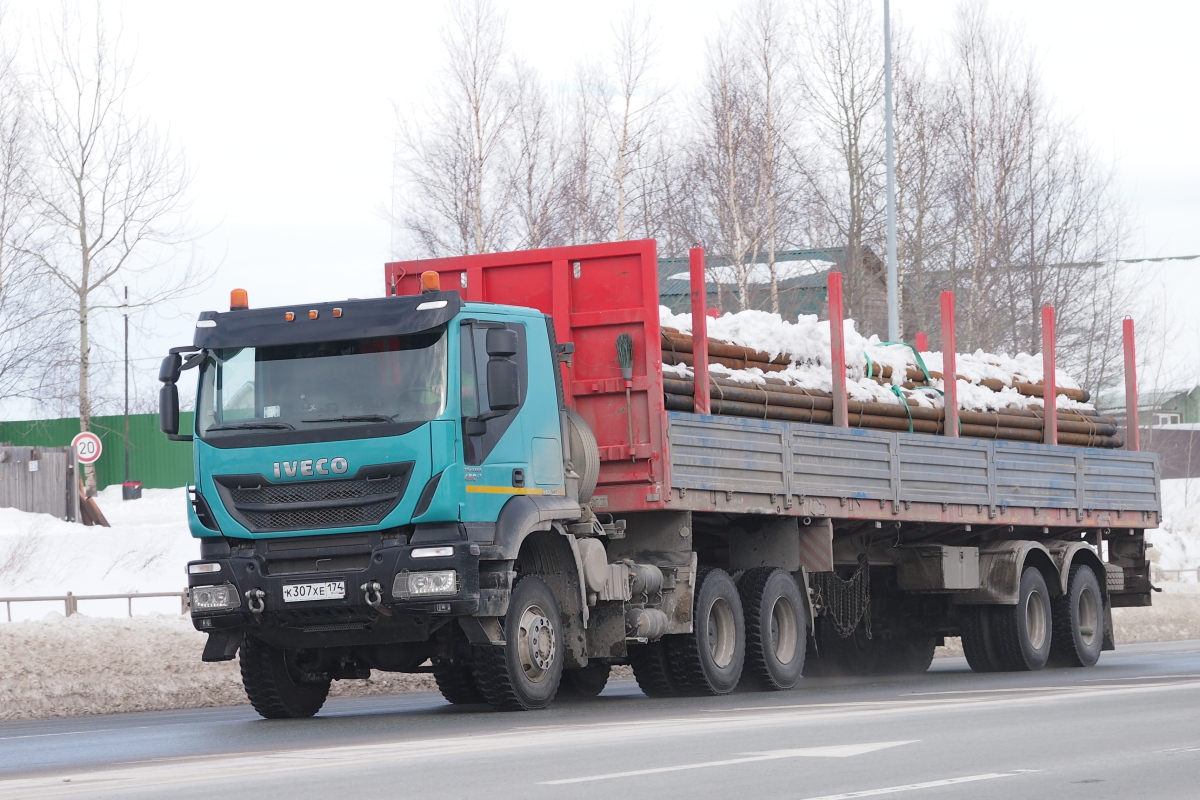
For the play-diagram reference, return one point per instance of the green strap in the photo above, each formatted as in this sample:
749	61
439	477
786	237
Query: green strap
916	353
896	391
870	365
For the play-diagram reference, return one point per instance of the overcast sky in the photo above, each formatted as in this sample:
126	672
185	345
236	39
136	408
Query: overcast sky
285	112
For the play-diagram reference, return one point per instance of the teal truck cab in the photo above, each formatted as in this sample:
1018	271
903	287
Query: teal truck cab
485	483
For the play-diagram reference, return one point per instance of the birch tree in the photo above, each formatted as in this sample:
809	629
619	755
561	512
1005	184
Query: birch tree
109	192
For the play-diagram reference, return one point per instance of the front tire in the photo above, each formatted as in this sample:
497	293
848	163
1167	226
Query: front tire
776	627
524	674
709	660
276	685
457	684
1078	620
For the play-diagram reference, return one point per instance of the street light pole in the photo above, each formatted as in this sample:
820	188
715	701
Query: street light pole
893	269
125	308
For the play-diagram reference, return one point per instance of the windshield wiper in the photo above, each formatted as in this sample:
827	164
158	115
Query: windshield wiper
354	418
238	426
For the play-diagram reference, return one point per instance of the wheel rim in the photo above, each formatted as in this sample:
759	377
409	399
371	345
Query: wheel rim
1035	619
536	644
1089	618
721	633
784	630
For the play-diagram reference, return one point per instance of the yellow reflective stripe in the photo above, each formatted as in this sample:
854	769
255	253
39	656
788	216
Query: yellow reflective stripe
472	488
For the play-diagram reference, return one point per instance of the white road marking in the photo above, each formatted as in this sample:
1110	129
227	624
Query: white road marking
926	785
229	767
63	733
832	751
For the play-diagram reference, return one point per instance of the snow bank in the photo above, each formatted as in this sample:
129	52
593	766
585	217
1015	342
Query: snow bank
806	342
74	666
1177	541
146	550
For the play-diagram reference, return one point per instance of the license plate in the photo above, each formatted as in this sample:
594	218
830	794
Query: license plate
326	590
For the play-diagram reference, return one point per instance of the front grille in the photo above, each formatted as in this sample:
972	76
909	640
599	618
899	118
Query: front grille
355	562
364	499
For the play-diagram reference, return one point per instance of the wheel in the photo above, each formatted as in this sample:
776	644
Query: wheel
457	684
586	681
1022	633
1078	630
524	674
776	627
652	669
907	653
853	655
708	661
278	687
978	639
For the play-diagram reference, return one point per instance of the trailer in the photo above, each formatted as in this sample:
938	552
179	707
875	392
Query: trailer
532	513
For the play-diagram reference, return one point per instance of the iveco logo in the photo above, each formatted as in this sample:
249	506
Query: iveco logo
322	466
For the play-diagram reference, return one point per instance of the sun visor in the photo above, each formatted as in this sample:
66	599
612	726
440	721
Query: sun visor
324	322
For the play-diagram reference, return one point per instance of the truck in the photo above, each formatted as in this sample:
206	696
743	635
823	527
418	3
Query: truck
476	476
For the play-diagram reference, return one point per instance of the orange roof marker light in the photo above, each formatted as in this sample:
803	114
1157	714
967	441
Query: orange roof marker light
289	315
312	314
431	282
239	300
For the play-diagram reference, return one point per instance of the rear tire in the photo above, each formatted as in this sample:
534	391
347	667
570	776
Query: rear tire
908	653
1024	632
652	669
276	686
524	673
586	681
776	627
977	638
709	660
1078	620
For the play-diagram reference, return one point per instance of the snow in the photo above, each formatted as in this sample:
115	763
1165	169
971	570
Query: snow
806	342
1177	541
146	550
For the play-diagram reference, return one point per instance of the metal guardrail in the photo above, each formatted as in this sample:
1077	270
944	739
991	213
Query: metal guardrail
1162	573
70	601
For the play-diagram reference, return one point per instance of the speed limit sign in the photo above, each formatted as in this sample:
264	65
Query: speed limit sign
87	447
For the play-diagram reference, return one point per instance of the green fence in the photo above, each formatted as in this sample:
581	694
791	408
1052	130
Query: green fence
154	460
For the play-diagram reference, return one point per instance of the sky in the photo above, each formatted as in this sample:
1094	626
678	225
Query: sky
287	114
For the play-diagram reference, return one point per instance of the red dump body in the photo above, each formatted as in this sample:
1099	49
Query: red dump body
594	293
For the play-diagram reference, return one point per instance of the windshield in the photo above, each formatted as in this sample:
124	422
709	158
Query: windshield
304	387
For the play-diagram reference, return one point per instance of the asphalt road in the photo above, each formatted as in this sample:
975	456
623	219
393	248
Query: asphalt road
1129	727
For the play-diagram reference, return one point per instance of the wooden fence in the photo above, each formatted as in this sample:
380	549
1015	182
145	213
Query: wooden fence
43	480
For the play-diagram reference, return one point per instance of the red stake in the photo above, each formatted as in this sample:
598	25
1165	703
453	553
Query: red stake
1049	384
699	330
922	343
949	366
1132	431
837	347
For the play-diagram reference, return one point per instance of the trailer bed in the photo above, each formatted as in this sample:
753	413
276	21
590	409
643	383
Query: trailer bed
733	464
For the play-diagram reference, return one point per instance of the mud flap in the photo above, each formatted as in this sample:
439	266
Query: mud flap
222	645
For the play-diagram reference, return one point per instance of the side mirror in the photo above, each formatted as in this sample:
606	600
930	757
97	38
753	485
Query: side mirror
168	407
503	382
501	343
170	369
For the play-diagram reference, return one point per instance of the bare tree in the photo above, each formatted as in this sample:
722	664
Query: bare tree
845	94
459	167
109	193
31	336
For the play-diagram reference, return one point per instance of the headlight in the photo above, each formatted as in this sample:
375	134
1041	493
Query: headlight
425	584
214	598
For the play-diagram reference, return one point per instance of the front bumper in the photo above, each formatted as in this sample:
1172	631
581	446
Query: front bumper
259	570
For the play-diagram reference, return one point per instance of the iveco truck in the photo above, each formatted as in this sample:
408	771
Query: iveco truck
475	475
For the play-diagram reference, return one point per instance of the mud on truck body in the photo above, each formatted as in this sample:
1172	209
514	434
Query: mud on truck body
483	482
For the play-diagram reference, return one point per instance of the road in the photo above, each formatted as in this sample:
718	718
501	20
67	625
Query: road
1126	728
